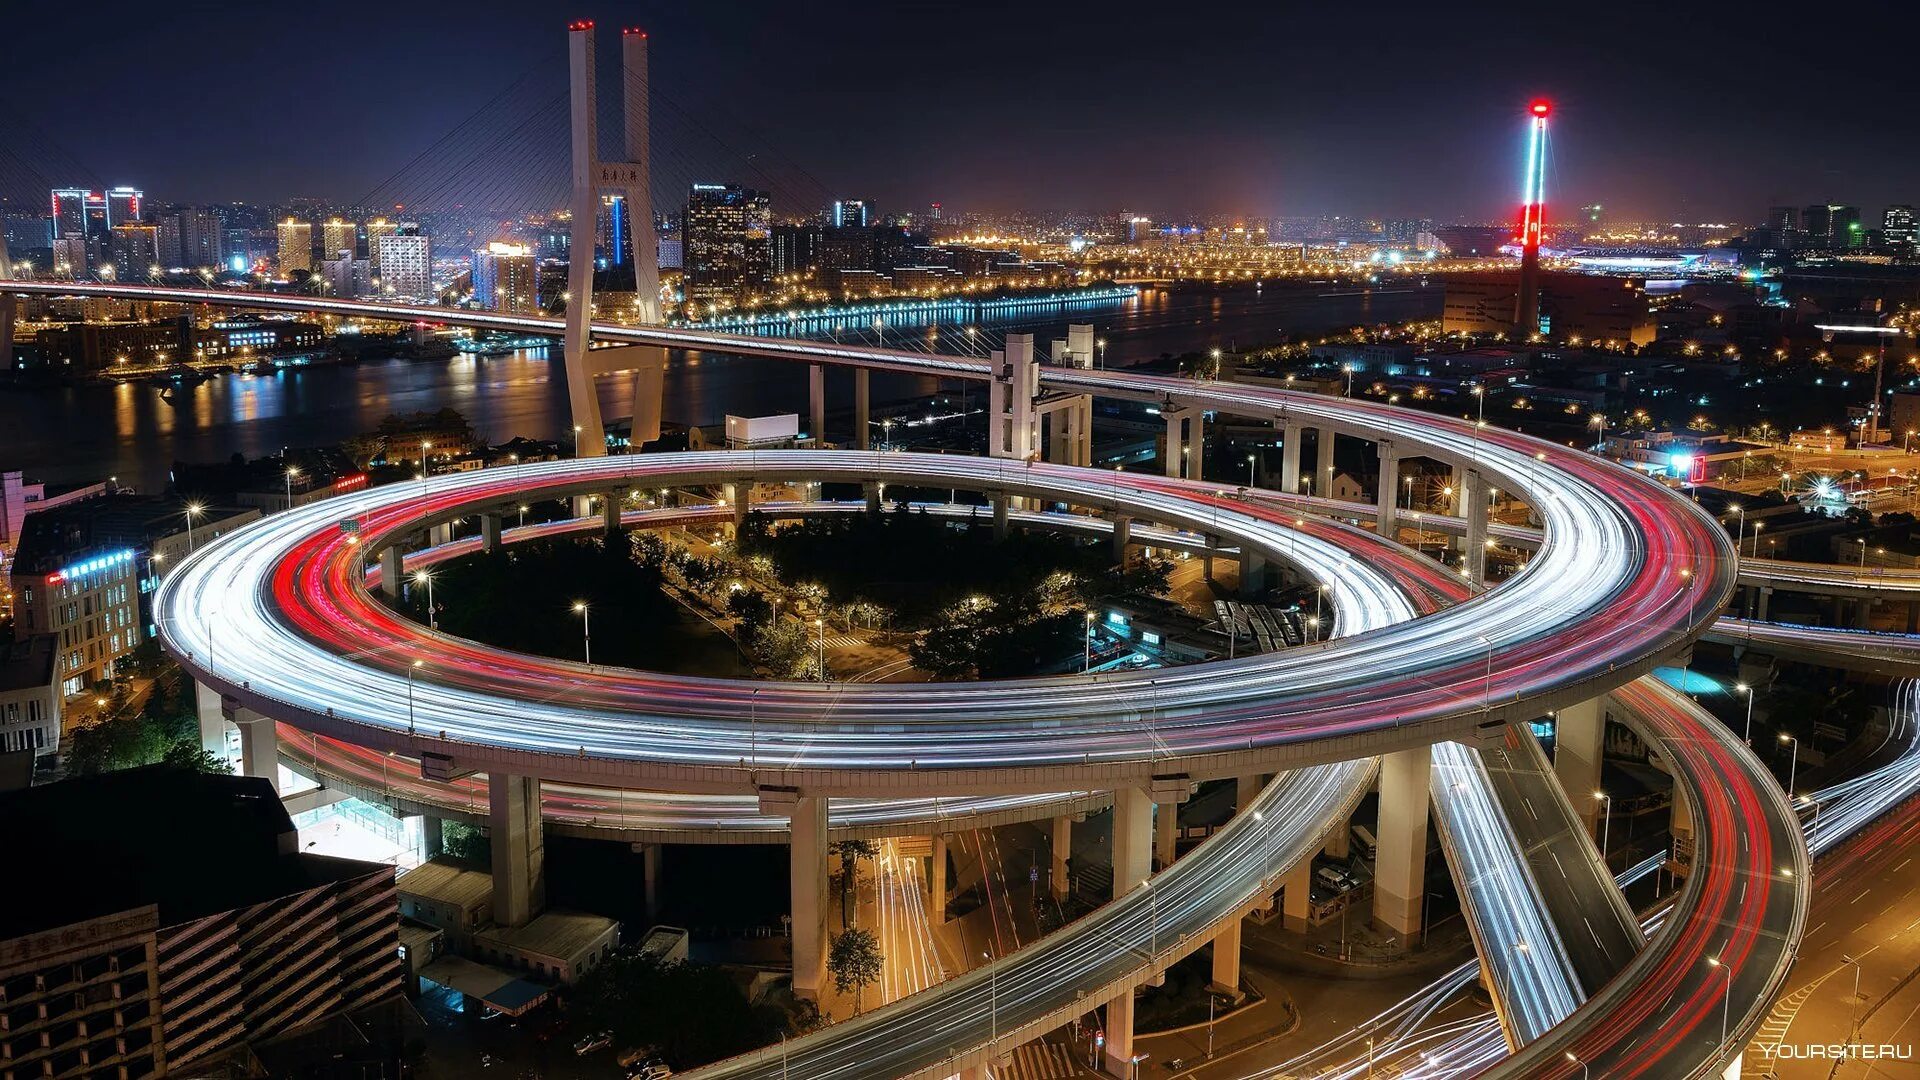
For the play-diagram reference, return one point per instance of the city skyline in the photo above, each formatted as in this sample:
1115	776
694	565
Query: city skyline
1042	109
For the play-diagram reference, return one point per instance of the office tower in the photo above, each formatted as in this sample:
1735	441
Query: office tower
202	239
406	263
296	246
728	243
136	250
505	279
614	236
172	251
1897	226
337	236
376	229
70	257
1831	226
933	212
70	212
851	214
796	248
345	275
123	205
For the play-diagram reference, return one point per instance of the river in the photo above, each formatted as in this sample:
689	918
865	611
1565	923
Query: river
86	432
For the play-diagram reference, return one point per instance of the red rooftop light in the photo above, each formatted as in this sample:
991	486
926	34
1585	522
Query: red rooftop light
580	24
1542	107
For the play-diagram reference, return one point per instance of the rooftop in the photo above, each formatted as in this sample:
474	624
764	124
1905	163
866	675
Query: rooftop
447	880
27	664
54	537
561	935
191	844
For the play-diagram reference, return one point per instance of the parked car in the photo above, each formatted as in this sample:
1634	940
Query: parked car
599	1040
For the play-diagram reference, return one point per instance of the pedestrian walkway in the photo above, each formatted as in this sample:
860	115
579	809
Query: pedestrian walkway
843	641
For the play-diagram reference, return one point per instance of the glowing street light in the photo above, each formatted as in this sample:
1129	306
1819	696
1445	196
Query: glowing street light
193	510
586	629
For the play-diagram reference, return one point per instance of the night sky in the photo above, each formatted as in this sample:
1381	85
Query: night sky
1682	111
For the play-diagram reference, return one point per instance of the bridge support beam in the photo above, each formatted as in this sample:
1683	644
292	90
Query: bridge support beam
1011	428
1246	789
1473	498
649	392
1226	959
1000	517
391	568
1290	457
433	842
1296	896
1323	448
213	719
817	405
584	131
259	746
1339	843
1400	871
489	533
518	848
1166	834
937	881
1062	850
1206	558
440	534
1122	536
1253	573
1387	498
862	409
1578	735
1186	442
806	883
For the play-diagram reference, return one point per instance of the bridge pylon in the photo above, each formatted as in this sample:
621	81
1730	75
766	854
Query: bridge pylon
631	180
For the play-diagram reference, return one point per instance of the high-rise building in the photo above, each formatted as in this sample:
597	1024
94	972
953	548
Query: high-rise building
376	229
123	205
136	250
1898	226
70	212
172	252
70	257
796	248
346	275
202	239
728	243
406	264
614	237
851	214
506	279
337	236
1831	226
296	246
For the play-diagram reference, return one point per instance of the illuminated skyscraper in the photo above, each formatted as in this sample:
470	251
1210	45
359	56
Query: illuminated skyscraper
296	246
1898	227
70	212
1533	213
728	243
123	205
506	279
376	229
851	214
136	250
406	264
337	236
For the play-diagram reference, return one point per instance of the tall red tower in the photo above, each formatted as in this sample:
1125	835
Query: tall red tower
1533	212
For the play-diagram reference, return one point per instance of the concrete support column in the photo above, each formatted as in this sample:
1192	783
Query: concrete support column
1863	614
807	885
872	491
440	534
1473	499
1766	595
213	719
1296	898
9	313
390	570
1290	458
259	746
1253	572
862	413
1400	871
937	882
741	501
518	848
1246	789
1119	1061
1578	735
1062	848
610	512
817	404
1122	536
649	392
1166	833
432	836
1132	838
489	533
650	862
1387	498
1339	845
1000	517
1206	557
1226	959
1186	441
1680	828
1323	444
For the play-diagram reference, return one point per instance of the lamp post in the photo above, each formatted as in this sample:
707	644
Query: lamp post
576	440
292	472
410	672
421	577
1726	1003
1606	824
1585	1072
1793	766
1086	650
1480	399
820	630
1249	470
1747	690
586	629
193	510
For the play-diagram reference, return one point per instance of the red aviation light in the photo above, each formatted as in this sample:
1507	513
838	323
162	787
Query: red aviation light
580	24
1541	107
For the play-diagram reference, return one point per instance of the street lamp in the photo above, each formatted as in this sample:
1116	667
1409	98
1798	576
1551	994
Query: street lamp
820	630
1747	690
410	672
193	510
576	440
1480	397
421	577
1249	470
1585	1072
1086	652
292	471
1793	766
1726	1003
586	629
1606	825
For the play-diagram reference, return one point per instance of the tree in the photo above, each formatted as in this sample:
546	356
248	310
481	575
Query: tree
190	755
854	960
847	877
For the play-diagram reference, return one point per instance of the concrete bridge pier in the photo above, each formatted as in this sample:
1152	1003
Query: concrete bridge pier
862	410
1290	458
1226	960
1122	536
610	513
9	314
937	881
1579	732
259	746
433	841
1132	854
489	533
1186	441
440	534
1296	896
1062	849
1387	498
817	405
1323	446
518	848
1246	789
1472	494
1000	516
807	883
1253	573
391	563
212	715
1400	870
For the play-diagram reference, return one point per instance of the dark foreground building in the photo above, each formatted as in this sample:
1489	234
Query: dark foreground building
164	922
